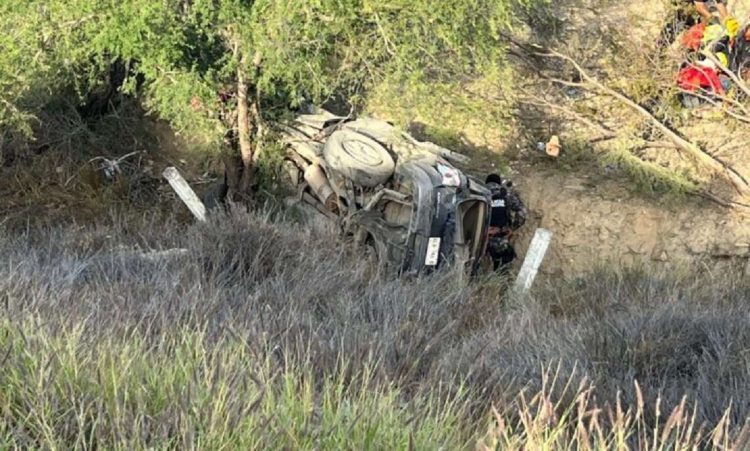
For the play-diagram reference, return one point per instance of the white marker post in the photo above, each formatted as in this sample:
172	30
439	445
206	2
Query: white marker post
185	193
534	257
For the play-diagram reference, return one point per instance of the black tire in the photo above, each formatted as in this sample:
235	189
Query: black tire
359	158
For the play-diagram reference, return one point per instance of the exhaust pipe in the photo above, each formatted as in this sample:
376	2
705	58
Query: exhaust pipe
316	178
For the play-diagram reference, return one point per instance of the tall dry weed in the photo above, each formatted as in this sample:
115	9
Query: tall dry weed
89	326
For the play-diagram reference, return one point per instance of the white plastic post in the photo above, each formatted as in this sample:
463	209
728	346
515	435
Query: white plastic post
185	193
534	257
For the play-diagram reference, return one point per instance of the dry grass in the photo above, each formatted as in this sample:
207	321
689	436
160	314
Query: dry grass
269	336
59	177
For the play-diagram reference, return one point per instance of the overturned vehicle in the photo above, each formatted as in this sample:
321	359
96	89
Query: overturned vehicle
401	196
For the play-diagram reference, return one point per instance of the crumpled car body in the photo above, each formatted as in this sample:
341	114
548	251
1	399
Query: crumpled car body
388	190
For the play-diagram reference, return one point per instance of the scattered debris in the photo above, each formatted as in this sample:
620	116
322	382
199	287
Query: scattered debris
155	256
724	249
701	156
660	256
108	261
111	167
553	146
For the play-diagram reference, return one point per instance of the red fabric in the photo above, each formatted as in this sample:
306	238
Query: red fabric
692	39
693	78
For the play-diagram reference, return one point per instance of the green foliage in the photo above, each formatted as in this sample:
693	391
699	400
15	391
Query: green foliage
60	392
270	167
182	55
23	65
646	177
650	177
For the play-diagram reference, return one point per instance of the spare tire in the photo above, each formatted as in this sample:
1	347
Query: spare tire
358	157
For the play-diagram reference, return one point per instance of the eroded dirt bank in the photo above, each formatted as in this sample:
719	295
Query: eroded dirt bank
601	221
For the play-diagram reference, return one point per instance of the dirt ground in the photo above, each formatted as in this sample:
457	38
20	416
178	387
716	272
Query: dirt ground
598	221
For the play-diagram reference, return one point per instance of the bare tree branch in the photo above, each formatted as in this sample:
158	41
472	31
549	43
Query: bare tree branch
606	133
738	181
713	102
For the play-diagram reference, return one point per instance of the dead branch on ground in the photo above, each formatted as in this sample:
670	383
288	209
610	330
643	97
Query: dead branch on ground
605	132
719	102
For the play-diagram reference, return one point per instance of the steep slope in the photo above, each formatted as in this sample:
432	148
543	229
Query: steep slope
597	220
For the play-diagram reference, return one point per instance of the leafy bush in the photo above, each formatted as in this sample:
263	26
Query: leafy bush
181	57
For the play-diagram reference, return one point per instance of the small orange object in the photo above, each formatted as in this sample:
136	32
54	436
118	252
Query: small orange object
693	38
553	146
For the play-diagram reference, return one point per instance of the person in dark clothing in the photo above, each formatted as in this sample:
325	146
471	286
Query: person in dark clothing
740	59
684	16
507	215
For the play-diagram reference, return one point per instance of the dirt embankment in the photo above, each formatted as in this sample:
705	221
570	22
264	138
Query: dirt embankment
596	218
601	221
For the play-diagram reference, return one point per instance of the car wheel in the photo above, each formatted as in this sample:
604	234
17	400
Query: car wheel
359	158
373	253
